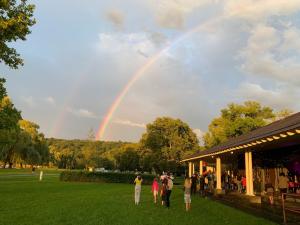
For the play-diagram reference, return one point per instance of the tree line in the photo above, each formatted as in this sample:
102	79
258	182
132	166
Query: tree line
164	144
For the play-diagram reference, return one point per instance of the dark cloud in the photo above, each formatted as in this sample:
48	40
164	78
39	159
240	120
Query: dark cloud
116	17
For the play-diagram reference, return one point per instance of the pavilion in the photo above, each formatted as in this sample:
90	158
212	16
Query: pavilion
266	151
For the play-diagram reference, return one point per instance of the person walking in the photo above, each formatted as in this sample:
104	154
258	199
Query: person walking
138	187
169	190
163	191
187	193
155	188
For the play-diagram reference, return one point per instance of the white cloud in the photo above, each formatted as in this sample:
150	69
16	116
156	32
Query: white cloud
129	123
50	100
29	100
126	44
263	54
257	10
84	113
291	40
199	134
280	98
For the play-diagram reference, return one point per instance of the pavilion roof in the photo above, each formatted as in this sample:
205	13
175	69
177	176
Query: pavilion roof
279	129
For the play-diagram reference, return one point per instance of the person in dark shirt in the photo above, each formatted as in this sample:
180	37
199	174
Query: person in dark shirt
194	180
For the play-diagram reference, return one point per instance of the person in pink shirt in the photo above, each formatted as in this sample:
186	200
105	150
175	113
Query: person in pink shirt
155	189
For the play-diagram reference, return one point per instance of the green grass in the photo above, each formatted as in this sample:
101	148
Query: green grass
25	200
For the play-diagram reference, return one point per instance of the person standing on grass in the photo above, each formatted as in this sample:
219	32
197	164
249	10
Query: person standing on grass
155	188
201	186
187	193
138	187
169	190
194	183
163	191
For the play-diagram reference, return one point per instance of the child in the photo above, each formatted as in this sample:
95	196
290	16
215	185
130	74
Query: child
187	193
155	188
137	191
269	190
244	183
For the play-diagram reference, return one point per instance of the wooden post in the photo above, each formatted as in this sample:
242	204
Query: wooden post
193	168
218	173
246	172
251	191
190	169
249	173
201	167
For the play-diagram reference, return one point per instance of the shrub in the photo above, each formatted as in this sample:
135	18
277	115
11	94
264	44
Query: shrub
83	176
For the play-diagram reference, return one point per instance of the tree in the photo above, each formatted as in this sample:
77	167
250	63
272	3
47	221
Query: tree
34	150
236	120
172	137
166	142
9	128
128	160
16	17
91	135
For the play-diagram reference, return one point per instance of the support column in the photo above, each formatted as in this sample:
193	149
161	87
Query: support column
193	168
218	173
201	167
250	180
263	179
249	173
276	180
190	169
246	171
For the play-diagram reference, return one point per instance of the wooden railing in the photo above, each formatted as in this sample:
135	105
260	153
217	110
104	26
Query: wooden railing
293	209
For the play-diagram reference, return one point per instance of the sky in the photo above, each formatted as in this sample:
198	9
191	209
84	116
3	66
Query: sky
201	55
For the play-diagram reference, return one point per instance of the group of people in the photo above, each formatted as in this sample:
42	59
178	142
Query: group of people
164	192
285	185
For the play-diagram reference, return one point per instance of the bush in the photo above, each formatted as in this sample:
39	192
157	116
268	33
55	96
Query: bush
83	176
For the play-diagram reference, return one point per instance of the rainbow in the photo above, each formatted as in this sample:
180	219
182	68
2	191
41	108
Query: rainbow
140	72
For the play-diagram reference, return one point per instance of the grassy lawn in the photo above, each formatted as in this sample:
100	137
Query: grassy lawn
24	200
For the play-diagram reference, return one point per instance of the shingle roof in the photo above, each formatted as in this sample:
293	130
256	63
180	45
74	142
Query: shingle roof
284	125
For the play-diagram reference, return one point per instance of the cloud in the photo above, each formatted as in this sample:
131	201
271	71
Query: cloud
126	45
291	40
84	113
172	13
199	134
116	17
258	10
280	98
50	100
266	54
129	123
29	100
158	38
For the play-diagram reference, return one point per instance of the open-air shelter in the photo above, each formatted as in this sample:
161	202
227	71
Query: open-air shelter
266	151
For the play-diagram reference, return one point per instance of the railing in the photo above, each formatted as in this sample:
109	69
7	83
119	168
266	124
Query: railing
294	209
